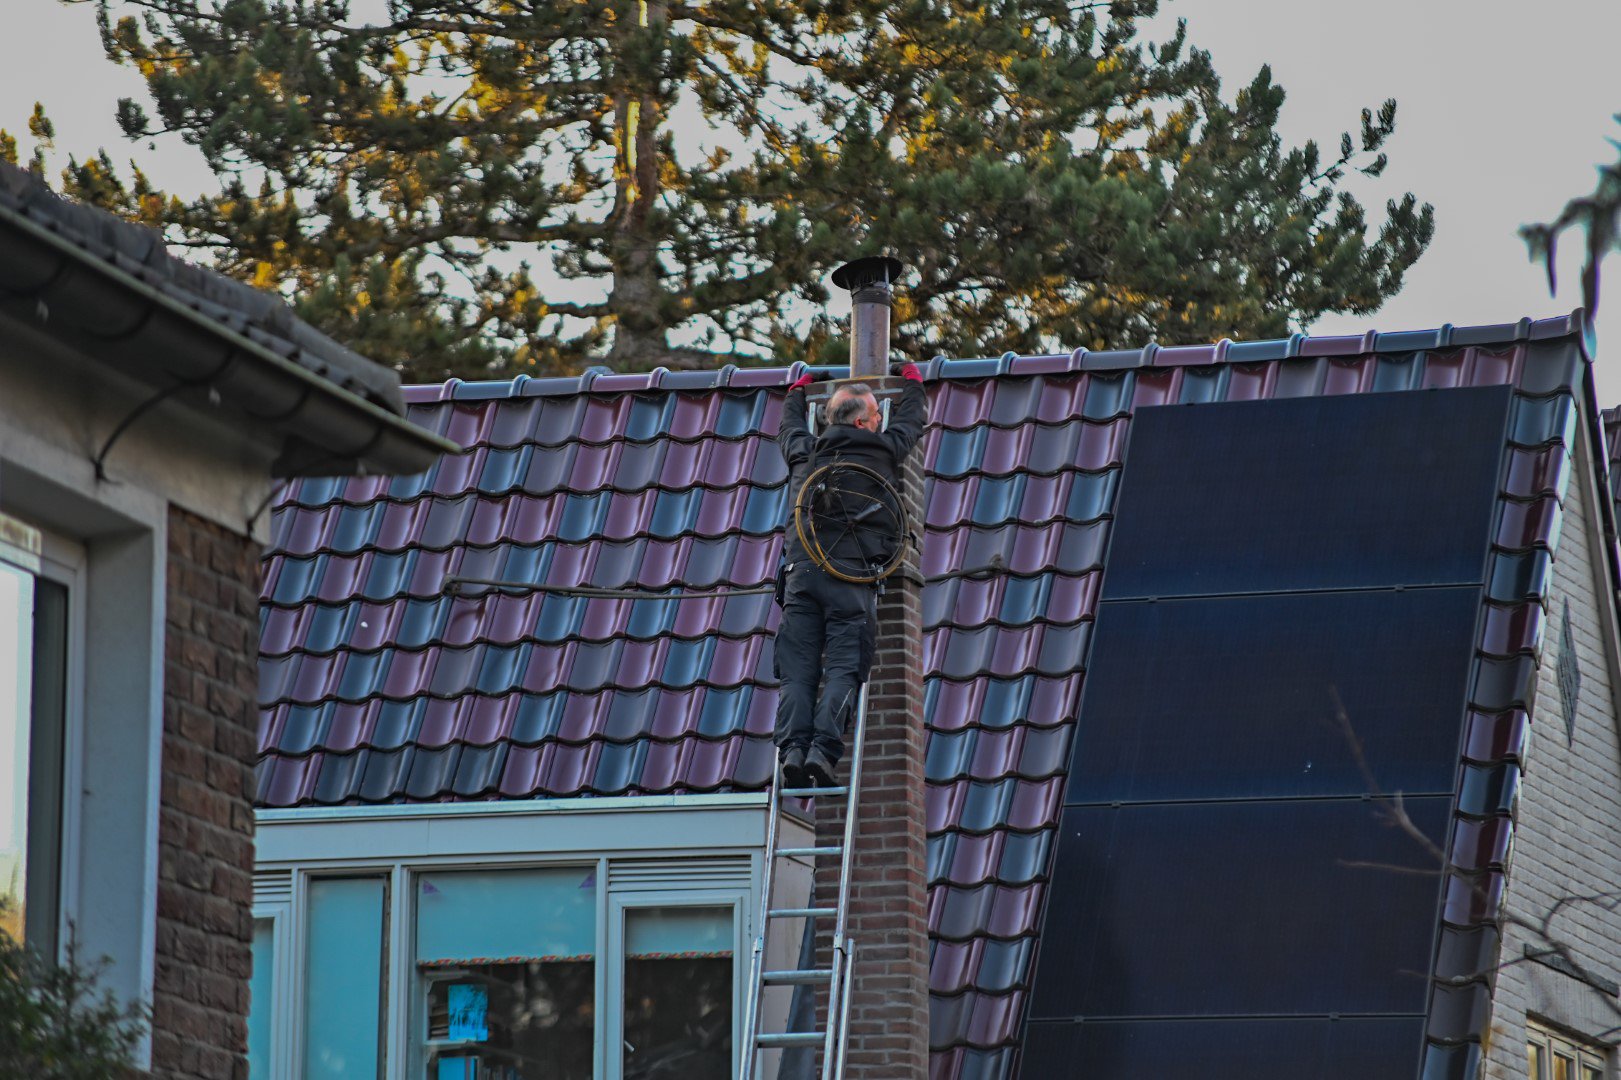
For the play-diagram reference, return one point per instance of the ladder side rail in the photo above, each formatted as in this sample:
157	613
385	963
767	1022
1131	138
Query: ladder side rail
753	1006
833	1038
844	1008
836	1036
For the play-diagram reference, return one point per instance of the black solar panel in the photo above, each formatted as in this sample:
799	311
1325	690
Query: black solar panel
1239	909
1237	697
1322	1049
1308	493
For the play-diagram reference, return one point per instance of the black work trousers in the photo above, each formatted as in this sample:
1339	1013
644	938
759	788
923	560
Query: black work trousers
826	636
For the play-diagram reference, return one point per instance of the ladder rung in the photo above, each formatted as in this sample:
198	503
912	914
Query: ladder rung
791	1038
801	913
812	851
811	792
801	976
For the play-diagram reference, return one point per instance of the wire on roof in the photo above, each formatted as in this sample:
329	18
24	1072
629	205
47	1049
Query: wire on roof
455	585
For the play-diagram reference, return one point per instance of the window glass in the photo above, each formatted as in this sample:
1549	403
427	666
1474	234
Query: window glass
16	706
508	973
525	914
1564	1068
344	978
47	749
678	993
1538	1065
261	988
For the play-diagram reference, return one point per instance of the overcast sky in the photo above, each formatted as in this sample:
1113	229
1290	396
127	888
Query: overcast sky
1504	112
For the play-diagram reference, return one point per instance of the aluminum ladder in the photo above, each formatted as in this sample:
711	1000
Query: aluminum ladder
834	1039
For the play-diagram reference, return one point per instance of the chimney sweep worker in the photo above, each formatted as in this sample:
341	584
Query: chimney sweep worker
829	624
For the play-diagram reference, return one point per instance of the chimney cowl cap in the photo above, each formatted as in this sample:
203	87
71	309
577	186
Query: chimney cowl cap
869	270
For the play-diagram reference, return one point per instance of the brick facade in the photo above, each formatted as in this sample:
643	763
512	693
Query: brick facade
1567	840
889	1004
205	831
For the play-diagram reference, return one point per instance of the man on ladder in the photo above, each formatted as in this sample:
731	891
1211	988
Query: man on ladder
844	536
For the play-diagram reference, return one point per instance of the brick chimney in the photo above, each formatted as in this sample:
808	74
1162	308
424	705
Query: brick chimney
889	1002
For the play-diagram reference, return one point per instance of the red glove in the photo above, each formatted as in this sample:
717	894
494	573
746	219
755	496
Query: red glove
800	383
910	371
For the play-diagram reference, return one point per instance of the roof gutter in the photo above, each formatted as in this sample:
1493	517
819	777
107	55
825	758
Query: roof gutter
172	345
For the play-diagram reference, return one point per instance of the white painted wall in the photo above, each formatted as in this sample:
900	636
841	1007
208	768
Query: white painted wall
56	411
1567	840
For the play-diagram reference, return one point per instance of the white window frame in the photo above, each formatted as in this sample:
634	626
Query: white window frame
280	918
54	558
403	968
610	832
108	543
1581	1054
626	900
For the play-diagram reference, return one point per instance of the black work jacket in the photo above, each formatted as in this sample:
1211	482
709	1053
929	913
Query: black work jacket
881	451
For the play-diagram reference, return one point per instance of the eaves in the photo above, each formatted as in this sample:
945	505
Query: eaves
51	281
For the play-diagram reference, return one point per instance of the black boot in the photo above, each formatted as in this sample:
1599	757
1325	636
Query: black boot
819	769
793	768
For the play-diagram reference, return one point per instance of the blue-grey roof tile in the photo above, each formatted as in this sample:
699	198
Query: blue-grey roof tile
538	717
357	527
620	766
1488	790
1552	367
1091	495
340	776
1004	965
1500	685
304	728
432	772
1399	371
330	626
1108	396
504	470
398	723
1537	422
387	574
363	675
297	580
384	774
1515	576
400	488
1249	352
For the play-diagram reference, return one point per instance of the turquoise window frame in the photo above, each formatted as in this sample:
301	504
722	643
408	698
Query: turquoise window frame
620	903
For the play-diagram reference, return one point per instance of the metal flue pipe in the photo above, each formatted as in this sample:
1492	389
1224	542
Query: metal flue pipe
868	280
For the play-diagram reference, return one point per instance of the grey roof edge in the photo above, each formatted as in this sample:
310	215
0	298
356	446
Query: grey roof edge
172	324
1599	461
598	380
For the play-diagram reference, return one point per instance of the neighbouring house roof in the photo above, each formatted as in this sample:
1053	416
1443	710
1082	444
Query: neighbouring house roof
1612	441
109	288
377	687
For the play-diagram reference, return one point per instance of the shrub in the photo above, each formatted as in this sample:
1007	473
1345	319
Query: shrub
56	1024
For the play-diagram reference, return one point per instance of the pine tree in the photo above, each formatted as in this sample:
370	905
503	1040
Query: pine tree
484	187
1057	183
411	181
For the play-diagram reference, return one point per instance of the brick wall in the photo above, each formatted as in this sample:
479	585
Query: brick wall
205	831
1567	839
889	1004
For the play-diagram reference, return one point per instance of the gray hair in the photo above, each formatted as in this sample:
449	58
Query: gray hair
849	403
